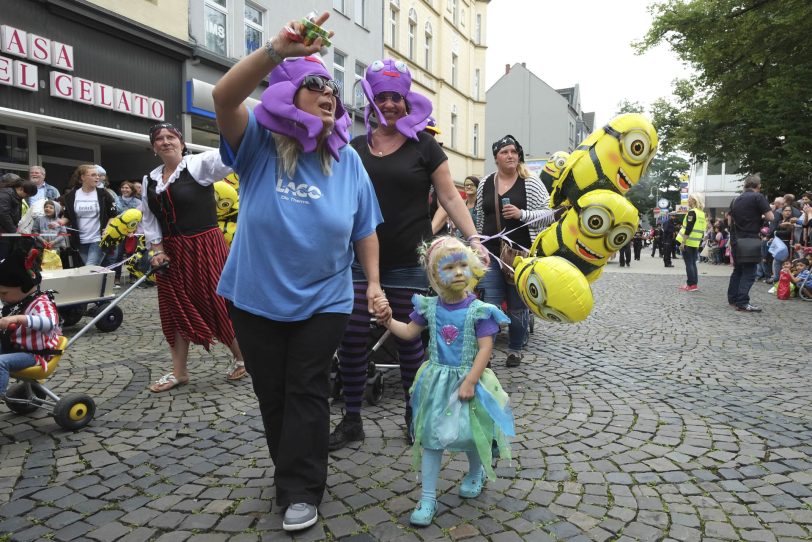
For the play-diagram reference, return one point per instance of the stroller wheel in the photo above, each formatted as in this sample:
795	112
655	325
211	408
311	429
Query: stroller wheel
374	390
111	320
71	315
22	392
74	411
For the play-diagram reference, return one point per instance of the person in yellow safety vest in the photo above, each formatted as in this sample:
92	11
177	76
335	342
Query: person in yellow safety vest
690	236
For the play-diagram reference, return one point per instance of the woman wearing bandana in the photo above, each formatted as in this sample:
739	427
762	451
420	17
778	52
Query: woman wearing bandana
521	198
180	224
306	205
403	162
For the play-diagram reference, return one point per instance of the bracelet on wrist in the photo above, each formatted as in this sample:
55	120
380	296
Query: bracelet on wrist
272	53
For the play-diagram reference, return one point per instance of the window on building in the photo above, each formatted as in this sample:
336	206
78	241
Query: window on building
427	47
338	72
359	13
338	5
476	140
452	5
476	84
454	127
13	146
358	101
412	33
216	17
253	29
453	69
478	29
715	167
731	168
393	26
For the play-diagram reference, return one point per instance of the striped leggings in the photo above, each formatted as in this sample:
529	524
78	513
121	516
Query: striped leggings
352	353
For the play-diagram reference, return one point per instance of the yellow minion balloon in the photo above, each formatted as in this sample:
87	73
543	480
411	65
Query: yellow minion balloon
229	228
226	199
612	158
552	169
234	180
139	265
597	226
553	289
120	227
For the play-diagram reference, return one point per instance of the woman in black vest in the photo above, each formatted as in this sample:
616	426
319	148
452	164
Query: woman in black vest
180	224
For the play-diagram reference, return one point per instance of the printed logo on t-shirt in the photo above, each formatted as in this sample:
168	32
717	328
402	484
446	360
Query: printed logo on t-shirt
297	193
86	208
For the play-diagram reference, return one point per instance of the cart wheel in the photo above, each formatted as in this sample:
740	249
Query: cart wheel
111	320
374	391
74	411
20	391
71	315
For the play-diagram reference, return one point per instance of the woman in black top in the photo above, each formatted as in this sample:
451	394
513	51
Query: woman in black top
12	191
404	163
520	199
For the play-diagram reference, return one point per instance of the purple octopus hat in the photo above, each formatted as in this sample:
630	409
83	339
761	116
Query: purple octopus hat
393	76
277	113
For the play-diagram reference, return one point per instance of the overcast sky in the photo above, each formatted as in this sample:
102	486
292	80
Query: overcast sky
587	42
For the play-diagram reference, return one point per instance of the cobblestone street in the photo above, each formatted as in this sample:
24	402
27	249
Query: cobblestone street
664	416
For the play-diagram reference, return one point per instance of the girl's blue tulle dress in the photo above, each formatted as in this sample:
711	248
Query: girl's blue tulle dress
441	421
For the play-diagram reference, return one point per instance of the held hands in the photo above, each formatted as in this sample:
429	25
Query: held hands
510	211
290	44
19	320
382	310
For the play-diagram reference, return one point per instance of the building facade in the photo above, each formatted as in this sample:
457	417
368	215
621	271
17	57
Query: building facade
82	84
223	31
543	119
443	43
719	182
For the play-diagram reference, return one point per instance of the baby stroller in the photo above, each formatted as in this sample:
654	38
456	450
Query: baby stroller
71	411
383	354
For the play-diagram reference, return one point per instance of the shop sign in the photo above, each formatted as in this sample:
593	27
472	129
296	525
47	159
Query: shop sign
41	50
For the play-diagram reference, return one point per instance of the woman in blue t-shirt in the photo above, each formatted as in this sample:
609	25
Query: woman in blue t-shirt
305	204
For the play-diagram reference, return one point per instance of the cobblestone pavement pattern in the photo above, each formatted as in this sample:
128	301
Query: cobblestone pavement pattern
665	416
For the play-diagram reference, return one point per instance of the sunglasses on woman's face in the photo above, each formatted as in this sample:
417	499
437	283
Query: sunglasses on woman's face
316	83
393	97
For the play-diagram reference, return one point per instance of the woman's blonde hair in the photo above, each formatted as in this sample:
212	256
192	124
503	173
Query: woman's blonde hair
698	199
430	253
522	170
288	150
76	177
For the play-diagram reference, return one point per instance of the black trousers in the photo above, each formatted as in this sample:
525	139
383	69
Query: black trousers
666	250
656	244
625	255
289	363
741	280
637	246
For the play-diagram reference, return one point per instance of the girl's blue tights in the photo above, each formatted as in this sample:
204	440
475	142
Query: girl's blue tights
431	470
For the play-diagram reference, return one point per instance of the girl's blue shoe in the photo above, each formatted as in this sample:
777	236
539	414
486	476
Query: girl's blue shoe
424	513
472	484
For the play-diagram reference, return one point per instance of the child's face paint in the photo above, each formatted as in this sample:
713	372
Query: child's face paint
453	272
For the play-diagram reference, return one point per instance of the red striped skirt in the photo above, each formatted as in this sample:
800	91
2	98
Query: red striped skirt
187	290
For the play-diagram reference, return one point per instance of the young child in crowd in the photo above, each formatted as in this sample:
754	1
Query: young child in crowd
785	286
458	402
800	276
49	224
29	326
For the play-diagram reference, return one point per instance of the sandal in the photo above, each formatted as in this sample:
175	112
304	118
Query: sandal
236	370
166	383
424	512
471	485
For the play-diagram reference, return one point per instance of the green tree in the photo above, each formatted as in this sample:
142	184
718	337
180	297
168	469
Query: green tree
751	98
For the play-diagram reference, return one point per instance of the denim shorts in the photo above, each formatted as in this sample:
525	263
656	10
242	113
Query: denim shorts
412	278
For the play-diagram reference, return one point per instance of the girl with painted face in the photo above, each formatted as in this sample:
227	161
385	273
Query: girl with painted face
457	401
306	206
404	163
